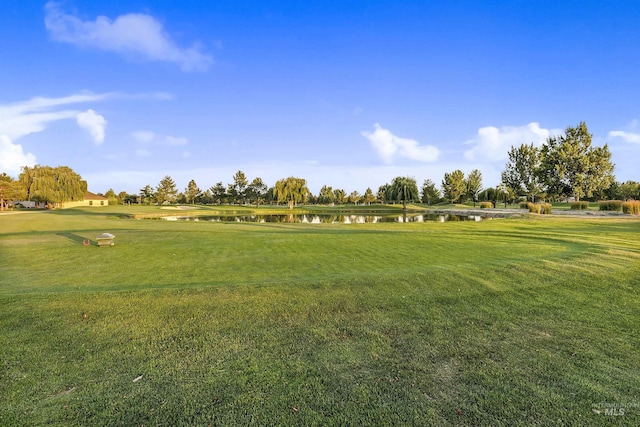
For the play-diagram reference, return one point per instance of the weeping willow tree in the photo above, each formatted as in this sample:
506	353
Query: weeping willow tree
10	191
402	189
291	190
53	186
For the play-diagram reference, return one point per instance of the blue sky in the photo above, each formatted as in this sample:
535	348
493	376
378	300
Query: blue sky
343	93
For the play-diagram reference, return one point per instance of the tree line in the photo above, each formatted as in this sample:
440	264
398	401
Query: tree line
566	166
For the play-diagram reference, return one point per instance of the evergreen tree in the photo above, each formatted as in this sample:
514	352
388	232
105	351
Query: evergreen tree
166	191
430	194
453	185
192	192
369	197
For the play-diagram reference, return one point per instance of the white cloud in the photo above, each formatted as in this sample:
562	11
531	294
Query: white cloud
142	153
626	136
27	117
388	146
173	140
148	137
143	136
13	157
134	34
493	144
93	123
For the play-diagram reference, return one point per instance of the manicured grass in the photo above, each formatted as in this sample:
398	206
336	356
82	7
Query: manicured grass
502	322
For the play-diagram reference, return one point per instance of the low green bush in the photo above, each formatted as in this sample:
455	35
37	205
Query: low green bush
486	205
610	205
579	206
524	205
631	207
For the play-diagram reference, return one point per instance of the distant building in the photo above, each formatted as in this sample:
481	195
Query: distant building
90	199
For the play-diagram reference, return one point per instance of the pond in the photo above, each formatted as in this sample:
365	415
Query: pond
327	218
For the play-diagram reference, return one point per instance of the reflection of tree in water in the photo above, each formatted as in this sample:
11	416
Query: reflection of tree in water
327	219
369	219
331	219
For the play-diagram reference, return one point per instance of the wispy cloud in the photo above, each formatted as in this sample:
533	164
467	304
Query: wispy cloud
148	137
31	116
389	146
135	35
626	136
493	144
93	123
22	118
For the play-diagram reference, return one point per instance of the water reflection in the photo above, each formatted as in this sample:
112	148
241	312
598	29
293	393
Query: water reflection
327	219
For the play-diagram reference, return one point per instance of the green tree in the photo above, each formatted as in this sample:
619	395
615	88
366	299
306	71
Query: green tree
368	197
219	193
570	166
488	195
430	194
354	197
629	190
256	190
291	190
403	189
326	195
123	197
146	194
10	191
382	193
522	171
453	185
237	189
54	186
192	192
339	196
474	185
111	195
166	191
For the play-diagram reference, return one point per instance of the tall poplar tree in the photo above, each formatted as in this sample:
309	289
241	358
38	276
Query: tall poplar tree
474	185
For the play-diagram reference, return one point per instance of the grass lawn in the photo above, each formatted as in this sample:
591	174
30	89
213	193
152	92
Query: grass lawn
505	322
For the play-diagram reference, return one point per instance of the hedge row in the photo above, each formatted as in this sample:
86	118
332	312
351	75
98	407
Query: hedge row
610	205
579	206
